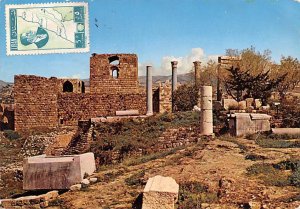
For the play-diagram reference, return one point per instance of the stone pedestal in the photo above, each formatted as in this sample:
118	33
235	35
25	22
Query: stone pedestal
160	192
149	91
206	119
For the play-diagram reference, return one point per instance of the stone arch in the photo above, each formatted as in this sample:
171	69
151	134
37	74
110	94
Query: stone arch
114	60
68	86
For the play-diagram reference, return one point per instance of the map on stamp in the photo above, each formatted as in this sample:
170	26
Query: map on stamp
47	28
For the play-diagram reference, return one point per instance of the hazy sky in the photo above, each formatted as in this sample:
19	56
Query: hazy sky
161	30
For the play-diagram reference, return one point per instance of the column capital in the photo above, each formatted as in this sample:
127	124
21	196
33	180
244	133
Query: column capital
197	63
174	63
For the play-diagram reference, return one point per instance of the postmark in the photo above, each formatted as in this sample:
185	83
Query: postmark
47	28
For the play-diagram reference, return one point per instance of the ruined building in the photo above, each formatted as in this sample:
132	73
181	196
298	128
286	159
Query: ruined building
53	102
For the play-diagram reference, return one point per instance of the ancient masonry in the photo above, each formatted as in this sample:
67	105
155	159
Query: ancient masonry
52	102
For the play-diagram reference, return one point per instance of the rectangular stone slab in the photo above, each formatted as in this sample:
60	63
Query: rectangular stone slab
44	172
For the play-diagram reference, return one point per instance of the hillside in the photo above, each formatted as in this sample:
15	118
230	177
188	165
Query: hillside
3	83
259	171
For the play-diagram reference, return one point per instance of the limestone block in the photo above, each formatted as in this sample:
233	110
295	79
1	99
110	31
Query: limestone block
127	112
257	103
75	187
160	192
42	172
242	105
290	131
227	103
93	180
249	102
85	183
248	123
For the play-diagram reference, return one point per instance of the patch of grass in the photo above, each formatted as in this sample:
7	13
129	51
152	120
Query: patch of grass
255	157
193	193
234	140
11	135
136	179
110	176
275	140
285	173
132	135
150	157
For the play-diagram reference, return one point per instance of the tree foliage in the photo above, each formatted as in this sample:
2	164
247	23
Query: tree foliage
291	67
186	97
242	84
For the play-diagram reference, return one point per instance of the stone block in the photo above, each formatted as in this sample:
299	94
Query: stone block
289	131
257	103
160	192
248	123
127	112
42	172
230	103
249	102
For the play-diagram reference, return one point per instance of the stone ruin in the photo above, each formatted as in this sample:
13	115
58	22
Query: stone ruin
241	124
52	102
47	172
160	192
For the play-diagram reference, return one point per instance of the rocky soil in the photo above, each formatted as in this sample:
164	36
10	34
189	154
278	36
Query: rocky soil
220	165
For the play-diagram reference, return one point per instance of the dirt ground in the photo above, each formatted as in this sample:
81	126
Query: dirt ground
220	165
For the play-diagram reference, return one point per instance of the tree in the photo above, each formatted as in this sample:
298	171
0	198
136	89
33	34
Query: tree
291	67
242	84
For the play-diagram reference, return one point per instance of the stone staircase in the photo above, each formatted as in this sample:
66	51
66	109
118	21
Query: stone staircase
81	141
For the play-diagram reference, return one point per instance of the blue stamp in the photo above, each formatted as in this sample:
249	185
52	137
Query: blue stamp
47	28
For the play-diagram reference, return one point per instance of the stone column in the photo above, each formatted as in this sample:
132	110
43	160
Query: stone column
149	91
174	80
197	71
206	123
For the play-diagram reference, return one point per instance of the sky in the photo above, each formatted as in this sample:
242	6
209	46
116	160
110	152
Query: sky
160	31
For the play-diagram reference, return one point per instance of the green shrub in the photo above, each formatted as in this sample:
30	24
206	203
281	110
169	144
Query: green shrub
255	157
193	193
275	175
295	178
11	135
186	97
135	179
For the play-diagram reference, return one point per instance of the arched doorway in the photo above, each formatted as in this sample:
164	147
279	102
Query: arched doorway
67	86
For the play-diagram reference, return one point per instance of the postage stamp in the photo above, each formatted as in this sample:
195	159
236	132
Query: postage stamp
47	28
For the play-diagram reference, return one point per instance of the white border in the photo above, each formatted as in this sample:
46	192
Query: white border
48	51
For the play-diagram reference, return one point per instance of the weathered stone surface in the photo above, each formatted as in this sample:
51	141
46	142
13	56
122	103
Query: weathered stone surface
85	183
93	180
257	103
43	172
127	112
291	131
248	123
230	103
160	192
206	118
42	102
75	187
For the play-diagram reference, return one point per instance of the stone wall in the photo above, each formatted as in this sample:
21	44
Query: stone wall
74	107
162	98
35	102
77	85
101	73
